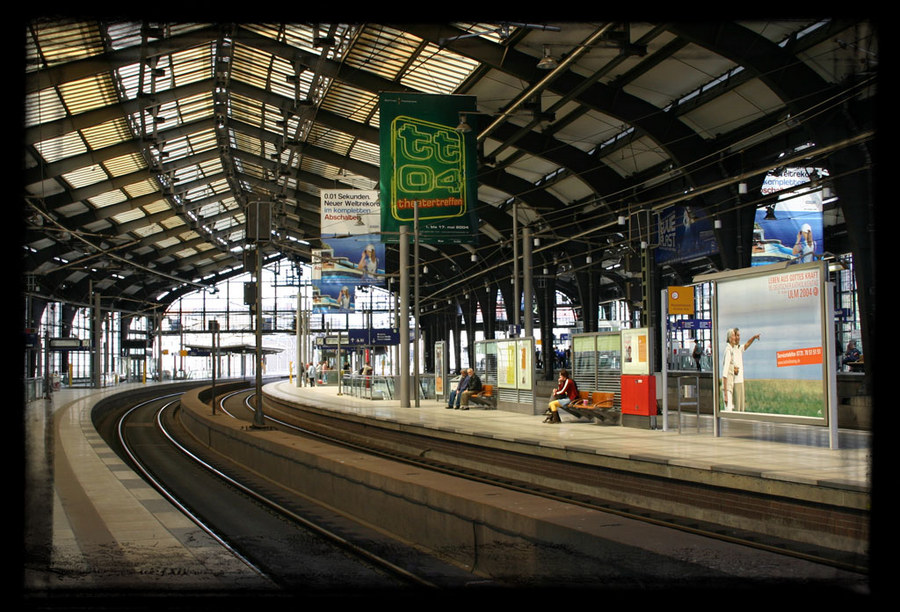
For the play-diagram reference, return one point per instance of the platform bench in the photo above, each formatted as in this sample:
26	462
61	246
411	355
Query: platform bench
485	397
596	405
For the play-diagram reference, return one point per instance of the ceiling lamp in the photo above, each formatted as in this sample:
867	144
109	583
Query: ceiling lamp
547	62
463	126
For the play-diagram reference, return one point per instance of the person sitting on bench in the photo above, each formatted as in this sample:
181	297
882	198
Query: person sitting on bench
474	388
566	392
456	394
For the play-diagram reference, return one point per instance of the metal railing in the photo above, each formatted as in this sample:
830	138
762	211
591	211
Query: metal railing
374	387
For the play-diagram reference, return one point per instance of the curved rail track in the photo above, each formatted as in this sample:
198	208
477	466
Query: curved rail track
399	446
297	544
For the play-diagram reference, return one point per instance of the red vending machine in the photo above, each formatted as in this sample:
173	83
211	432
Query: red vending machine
639	394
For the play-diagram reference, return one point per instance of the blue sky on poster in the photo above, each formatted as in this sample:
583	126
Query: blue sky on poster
784	308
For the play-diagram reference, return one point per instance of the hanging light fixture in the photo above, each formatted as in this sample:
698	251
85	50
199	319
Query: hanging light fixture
547	62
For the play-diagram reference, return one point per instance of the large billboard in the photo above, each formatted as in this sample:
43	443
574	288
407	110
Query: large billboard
428	168
778	314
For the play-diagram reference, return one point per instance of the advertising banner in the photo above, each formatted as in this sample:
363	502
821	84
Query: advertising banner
354	253
777	321
685	233
350	212
428	168
791	229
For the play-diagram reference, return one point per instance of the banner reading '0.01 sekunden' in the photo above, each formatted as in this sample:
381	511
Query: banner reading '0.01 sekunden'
352	253
428	168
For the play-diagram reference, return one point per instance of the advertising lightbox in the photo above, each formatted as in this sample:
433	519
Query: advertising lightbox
778	314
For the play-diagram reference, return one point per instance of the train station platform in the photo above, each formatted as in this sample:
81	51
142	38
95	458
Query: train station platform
771	452
91	522
774	480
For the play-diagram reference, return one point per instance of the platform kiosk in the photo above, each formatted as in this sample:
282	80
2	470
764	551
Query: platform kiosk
639	388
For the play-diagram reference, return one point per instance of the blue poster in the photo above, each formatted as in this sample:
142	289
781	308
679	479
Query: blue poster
685	233
353	253
789	230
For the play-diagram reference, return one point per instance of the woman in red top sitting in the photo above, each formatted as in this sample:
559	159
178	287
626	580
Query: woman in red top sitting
563	395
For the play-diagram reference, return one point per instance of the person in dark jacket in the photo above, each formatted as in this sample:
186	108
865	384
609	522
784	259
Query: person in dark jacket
456	394
473	387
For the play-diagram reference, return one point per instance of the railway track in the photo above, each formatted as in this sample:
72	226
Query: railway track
285	537
435	455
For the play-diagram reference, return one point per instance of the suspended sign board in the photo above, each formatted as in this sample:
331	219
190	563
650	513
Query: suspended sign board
428	168
69	344
373	337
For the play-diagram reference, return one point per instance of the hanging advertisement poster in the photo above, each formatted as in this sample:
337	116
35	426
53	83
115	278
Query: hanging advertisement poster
428	168
685	233
350	212
328	294
790	229
775	364
354	253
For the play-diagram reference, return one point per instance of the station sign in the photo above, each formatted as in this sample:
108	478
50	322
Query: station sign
373	337
681	300
692	324
69	344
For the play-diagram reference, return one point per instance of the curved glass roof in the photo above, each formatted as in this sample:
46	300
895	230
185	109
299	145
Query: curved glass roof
144	142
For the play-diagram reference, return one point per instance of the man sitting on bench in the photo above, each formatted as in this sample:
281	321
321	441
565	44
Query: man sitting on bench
473	391
456	394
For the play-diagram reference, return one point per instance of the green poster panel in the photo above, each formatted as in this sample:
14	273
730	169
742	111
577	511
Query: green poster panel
428	167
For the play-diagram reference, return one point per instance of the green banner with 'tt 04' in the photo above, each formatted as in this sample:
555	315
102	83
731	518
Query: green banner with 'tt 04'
428	168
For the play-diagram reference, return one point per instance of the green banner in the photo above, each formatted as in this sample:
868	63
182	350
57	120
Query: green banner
428	167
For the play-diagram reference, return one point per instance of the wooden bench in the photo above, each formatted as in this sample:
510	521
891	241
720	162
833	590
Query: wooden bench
596	405
485	397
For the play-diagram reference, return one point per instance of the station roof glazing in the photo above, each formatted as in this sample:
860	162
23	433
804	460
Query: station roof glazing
144	142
